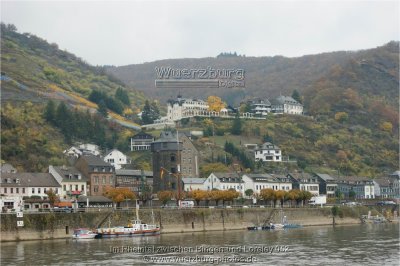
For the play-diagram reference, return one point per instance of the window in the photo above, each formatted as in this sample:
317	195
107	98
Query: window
5	190
111	180
65	188
38	191
96	189
11	190
104	179
76	187
82	187
70	187
96	179
33	190
23	190
172	158
44	190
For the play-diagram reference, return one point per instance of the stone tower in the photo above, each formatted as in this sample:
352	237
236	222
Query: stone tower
166	158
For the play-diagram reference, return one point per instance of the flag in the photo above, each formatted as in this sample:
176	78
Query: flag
162	173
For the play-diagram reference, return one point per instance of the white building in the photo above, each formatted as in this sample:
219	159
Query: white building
15	186
90	148
224	181
73	152
193	183
260	107
116	159
268	152
141	142
257	182
73	183
182	108
286	105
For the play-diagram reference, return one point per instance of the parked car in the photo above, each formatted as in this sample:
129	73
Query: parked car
387	202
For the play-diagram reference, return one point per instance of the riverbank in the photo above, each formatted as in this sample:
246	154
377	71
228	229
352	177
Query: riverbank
60	225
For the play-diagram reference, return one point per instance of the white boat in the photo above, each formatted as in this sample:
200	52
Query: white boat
83	233
134	228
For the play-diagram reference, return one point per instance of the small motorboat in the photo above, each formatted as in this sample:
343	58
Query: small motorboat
83	233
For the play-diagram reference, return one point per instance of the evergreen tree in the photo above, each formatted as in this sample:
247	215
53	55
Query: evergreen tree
122	96
102	108
50	112
150	112
296	96
155	111
237	125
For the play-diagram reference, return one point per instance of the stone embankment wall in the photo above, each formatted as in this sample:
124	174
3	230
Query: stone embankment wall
61	225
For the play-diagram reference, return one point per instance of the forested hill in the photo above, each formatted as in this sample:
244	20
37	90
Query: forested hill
40	70
270	76
34	72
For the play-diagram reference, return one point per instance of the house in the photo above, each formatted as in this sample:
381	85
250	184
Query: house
286	105
327	185
260	106
257	182
73	182
15	186
89	148
224	181
135	180
362	187
183	108
73	152
304	181
189	157
193	183
387	186
7	168
141	141
116	159
99	173
268	152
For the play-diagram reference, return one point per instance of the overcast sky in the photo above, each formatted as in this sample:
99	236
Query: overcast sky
131	32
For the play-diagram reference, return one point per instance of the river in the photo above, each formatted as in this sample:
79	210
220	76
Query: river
373	244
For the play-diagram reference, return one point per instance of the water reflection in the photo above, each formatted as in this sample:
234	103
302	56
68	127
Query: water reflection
355	245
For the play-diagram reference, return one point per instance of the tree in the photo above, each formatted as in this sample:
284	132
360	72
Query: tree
279	195
102	108
52	196
267	194
386	126
215	104
50	112
150	113
216	195
197	195
352	194
296	96
229	195
118	195
207	169
237	125
249	192
164	196
122	95
341	117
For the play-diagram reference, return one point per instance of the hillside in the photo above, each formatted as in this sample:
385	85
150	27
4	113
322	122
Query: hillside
34	72
264	76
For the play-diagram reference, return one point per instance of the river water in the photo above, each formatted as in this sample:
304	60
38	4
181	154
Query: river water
373	244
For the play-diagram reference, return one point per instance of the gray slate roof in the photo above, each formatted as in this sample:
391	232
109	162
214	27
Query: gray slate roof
95	160
130	172
326	177
7	168
193	180
94	199
267	146
284	100
65	171
29	180
228	177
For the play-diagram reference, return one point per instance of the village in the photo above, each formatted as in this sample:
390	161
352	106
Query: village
175	160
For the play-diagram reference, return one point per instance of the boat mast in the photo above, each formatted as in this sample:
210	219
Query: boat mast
137	210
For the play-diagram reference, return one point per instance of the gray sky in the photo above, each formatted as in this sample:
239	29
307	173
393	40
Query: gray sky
130	32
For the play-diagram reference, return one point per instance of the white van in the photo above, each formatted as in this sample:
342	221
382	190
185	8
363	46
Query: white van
186	204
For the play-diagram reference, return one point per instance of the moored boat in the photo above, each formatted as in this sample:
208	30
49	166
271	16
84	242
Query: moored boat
134	228
83	233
